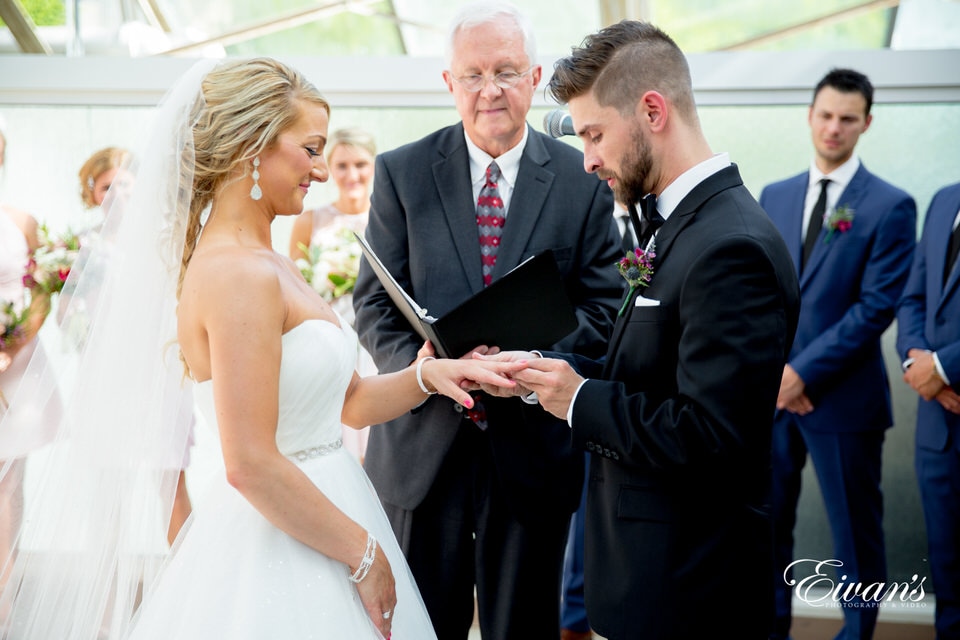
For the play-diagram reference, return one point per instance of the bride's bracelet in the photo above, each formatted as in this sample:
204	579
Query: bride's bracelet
368	555
423	387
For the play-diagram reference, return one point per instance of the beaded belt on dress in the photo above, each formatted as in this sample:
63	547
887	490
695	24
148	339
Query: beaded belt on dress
315	452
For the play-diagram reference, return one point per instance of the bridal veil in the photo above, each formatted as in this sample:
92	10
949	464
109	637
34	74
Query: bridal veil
95	520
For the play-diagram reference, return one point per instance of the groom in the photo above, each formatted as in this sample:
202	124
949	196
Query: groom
678	416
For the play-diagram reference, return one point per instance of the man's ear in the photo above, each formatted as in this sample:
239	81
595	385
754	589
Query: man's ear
652	110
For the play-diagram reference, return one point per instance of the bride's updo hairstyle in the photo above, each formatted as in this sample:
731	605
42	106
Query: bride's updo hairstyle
245	106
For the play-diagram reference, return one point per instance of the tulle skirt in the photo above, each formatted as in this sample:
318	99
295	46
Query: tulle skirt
234	575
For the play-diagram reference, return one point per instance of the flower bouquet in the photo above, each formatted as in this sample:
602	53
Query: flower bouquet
331	267
12	323
50	264
13	320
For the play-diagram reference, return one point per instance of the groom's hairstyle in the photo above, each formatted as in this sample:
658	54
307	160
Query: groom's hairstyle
620	63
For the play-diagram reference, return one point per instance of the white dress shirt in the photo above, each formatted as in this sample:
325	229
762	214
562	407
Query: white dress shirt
508	162
839	179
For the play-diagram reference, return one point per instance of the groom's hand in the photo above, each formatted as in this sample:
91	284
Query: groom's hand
554	381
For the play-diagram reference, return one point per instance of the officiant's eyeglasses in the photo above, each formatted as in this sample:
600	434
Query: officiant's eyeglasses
504	80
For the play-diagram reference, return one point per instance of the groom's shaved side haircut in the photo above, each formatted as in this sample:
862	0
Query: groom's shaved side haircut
622	62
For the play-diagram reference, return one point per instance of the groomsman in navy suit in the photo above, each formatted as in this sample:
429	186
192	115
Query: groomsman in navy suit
851	236
928	341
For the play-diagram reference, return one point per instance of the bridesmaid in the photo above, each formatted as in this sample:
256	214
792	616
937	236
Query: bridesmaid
350	155
18	240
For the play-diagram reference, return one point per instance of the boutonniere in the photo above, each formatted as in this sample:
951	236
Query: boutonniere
637	269
840	221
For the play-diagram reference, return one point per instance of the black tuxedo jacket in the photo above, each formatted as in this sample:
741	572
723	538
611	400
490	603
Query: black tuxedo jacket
679	419
423	226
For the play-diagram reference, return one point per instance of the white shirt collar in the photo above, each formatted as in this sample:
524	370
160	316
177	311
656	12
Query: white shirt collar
839	177
509	162
677	190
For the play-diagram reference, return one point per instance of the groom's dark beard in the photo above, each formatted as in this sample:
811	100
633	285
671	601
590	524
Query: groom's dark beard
635	168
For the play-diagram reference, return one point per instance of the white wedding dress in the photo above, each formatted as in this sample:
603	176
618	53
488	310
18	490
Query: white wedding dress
234	575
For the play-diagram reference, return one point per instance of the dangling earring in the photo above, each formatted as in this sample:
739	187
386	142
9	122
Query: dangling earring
255	192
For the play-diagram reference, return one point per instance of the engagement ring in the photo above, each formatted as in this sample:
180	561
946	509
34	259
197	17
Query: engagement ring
386	615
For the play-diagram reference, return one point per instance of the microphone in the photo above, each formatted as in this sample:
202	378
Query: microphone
558	123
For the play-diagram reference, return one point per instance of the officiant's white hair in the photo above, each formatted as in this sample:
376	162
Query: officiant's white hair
479	13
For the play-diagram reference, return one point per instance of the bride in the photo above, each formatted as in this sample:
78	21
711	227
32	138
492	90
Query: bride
293	542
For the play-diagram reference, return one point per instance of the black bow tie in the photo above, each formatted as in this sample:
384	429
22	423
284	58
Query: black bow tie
652	220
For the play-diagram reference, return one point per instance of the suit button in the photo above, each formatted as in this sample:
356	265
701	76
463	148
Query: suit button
591	446
615	456
607	453
457	407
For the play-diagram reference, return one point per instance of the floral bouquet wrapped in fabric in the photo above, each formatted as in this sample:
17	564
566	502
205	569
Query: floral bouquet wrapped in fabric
331	267
50	264
13	319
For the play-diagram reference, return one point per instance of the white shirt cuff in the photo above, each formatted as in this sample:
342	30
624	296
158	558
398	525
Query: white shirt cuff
531	398
940	371
573	401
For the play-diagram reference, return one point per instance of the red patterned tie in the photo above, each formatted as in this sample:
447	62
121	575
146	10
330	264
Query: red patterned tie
490	219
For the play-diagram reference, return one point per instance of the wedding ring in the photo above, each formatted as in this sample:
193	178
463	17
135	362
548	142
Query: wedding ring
386	615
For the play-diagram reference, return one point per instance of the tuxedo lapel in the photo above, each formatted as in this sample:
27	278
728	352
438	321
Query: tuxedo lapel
617	333
793	225
667	236
451	175
682	216
526	204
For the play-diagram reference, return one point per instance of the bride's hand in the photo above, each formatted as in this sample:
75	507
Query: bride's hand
453	378
378	592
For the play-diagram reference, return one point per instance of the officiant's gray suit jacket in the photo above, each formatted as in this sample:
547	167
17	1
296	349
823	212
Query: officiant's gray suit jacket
423	227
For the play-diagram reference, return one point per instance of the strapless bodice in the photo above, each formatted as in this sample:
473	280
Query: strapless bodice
318	361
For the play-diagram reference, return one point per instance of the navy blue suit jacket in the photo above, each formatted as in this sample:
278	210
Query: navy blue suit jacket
849	290
928	316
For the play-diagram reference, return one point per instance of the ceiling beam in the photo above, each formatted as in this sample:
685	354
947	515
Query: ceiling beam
268	27
154	14
830	18
22	28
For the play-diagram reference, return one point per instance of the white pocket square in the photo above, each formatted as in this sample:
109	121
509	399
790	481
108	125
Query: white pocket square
640	301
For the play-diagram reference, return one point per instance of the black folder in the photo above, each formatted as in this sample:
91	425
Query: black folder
527	308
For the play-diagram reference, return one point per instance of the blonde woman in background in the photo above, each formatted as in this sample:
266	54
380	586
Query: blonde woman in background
350	155
97	175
